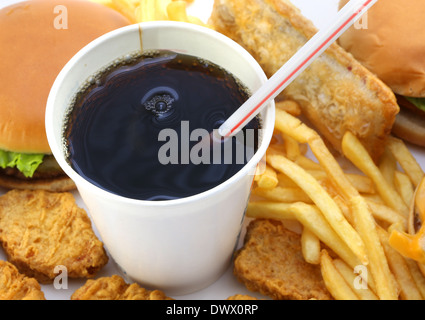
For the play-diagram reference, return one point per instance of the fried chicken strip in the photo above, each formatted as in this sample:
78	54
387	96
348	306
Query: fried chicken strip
16	286
271	262
336	93
40	230
115	288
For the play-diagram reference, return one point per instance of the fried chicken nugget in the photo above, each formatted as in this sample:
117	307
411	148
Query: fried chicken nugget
16	286
271	263
40	230
115	288
241	297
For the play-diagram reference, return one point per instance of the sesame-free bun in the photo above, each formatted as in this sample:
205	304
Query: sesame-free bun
393	44
37	38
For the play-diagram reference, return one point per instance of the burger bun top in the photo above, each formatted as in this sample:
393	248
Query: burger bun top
390	43
34	50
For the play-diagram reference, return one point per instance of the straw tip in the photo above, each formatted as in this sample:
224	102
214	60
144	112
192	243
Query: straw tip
224	131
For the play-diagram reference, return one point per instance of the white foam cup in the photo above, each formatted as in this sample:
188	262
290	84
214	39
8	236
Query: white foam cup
183	245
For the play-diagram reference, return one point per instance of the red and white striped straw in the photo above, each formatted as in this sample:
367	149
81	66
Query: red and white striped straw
291	69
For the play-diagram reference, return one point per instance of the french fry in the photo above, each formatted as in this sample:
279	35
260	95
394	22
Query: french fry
161	9
287	195
334	281
354	150
268	179
388	166
146	11
303	148
417	275
290	106
176	11
311	217
323	201
277	142
362	183
345	209
357	283
332	167
404	187
285	181
319	175
384	213
310	246
406	160
293	127
291	148
408	288
270	210
127	8
307	163
260	169
373	197
379	267
196	20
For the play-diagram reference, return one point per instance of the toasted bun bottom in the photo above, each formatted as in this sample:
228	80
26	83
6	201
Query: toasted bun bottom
57	184
410	127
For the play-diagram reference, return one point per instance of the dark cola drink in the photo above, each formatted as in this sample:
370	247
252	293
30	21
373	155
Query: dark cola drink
142	128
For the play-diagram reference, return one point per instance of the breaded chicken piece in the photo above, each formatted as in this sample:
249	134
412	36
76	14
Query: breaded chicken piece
115	288
40	230
16	286
241	297
336	93
271	263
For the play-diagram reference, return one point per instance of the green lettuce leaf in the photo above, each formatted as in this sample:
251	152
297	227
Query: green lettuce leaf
418	102
27	163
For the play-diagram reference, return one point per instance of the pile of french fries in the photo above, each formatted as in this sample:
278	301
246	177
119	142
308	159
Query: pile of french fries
152	10
346	215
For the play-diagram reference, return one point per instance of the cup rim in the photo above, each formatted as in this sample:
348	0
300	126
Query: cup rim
59	155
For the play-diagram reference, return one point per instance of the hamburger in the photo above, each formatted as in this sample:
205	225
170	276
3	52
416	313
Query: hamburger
37	38
389	42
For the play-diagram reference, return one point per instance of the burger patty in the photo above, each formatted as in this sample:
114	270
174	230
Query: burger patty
404	103
48	169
